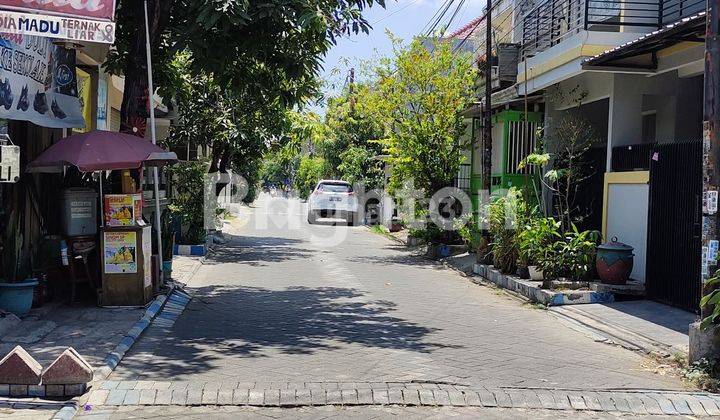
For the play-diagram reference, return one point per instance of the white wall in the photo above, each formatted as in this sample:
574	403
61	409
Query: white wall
627	218
677	101
625	124
497	147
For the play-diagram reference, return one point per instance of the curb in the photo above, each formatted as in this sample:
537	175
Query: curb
115	356
195	250
620	400
67	412
535	293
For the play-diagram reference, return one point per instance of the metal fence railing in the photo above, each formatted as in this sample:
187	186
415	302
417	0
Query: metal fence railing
674	10
551	21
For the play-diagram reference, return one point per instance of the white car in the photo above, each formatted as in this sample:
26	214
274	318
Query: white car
333	198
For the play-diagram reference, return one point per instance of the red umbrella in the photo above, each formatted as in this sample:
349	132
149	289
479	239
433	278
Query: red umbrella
100	150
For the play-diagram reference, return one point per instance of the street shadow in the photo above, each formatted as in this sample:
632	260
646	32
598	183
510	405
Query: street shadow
258	250
330	222
400	255
252	322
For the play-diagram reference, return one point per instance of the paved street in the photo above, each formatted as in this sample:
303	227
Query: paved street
295	308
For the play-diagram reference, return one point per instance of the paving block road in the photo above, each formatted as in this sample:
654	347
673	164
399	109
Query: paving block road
288	314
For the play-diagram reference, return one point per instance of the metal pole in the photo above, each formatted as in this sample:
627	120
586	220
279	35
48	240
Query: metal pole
102	200
156	182
487	123
711	148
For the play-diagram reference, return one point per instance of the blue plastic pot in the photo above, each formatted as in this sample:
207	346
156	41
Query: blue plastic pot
17	297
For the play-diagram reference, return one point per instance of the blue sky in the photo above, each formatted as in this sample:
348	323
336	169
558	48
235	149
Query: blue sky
404	18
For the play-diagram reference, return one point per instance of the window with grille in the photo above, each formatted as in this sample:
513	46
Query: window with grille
521	142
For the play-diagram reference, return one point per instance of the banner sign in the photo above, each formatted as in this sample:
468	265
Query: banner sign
57	27
95	9
102	101
84	83
38	82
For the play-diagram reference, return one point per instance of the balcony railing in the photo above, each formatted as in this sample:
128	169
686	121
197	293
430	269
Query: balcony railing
552	21
674	10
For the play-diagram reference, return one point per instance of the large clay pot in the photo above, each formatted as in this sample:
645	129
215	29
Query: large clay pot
614	262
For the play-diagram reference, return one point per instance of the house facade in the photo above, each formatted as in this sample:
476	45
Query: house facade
633	70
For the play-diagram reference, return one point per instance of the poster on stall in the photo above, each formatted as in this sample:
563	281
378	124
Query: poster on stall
138	205
120	252
38	82
119	210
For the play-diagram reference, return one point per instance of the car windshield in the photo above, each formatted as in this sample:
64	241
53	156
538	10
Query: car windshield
340	188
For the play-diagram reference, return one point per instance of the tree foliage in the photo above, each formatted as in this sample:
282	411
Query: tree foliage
264	51
310	171
188	199
212	115
351	147
419	96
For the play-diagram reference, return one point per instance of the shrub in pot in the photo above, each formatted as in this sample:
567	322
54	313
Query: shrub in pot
470	233
570	257
504	215
536	236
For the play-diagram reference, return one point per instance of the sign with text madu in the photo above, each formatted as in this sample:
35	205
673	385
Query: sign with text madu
38	82
93	9
57	27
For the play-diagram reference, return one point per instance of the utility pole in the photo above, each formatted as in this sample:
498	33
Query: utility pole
711	146
487	117
706	344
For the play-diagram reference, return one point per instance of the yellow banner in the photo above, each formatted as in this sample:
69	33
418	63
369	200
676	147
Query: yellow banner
84	84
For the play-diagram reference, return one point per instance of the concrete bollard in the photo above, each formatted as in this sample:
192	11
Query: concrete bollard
19	368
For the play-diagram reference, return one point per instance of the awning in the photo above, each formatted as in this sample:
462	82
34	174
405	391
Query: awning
499	99
641	53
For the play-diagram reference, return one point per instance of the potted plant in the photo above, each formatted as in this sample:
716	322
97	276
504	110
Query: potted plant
504	243
16	291
470	233
168	244
533	241
572	256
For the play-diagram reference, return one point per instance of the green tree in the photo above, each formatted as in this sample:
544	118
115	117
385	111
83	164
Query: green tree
310	171
265	51
419	95
211	115
354	133
188	199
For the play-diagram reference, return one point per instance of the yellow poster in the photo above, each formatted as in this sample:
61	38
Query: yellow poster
84	84
119	210
120	252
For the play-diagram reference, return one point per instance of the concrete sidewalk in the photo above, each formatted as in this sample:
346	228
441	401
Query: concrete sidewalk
93	331
642	325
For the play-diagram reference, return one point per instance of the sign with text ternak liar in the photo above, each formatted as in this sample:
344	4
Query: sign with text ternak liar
93	9
57	27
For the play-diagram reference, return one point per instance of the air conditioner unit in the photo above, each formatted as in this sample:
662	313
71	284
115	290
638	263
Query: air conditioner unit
9	164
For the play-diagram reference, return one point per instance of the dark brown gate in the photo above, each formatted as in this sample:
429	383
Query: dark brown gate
674	224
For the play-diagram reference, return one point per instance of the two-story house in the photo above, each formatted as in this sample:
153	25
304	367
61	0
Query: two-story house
634	70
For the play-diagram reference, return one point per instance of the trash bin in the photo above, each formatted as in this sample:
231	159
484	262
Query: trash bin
79	211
